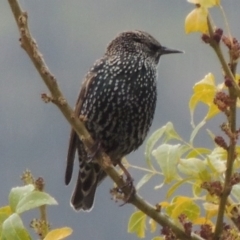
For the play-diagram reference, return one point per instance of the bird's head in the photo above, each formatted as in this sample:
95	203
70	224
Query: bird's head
138	43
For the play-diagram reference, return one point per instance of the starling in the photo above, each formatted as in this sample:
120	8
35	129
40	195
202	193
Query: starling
117	102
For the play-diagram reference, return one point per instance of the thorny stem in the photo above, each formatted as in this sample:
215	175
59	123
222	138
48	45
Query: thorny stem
233	93
30	46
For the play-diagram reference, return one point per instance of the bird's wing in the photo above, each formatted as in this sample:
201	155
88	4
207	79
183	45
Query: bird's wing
73	136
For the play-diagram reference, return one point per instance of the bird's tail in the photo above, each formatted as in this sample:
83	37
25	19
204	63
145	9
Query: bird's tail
89	176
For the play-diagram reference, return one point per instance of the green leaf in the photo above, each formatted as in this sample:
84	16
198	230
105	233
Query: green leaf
191	166
17	193
236	191
216	164
175	186
195	131
196	187
168	132
212	135
137	224
198	152
33	200
14	229
150	144
167	157
143	180
183	149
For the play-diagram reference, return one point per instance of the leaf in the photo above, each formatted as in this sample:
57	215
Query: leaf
33	200
167	157
196	21
168	131
175	186
137	224
158	238
192	167
195	131
236	191
58	234
185	205
204	92
17	193
150	144
5	212
198	152
153	225
143	180
205	3
217	165
13	228
211	209
202	221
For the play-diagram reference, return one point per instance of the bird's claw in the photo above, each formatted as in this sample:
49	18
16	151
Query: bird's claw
93	151
127	197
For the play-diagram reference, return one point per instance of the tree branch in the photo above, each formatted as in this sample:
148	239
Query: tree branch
234	92
30	46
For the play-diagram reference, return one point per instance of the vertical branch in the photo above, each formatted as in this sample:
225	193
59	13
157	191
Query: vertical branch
233	93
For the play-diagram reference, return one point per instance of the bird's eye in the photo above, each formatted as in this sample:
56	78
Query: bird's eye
154	47
138	40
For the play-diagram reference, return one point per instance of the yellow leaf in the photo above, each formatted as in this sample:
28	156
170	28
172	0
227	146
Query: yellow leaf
153	225
205	3
196	187
204	92
202	220
184	205
164	204
137	224
211	209
196	20
158	238
58	234
5	212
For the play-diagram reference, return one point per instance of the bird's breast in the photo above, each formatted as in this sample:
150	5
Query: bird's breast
120	105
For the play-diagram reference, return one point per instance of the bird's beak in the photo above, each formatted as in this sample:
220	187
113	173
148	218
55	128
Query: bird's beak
165	50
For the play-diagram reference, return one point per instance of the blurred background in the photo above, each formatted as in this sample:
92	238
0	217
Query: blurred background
71	35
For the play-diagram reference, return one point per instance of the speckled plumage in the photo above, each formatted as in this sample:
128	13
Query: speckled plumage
117	99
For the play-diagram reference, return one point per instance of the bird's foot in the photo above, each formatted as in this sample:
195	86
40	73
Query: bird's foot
94	151
127	197
129	184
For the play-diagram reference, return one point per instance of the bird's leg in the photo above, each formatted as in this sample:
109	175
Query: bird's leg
94	151
129	183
